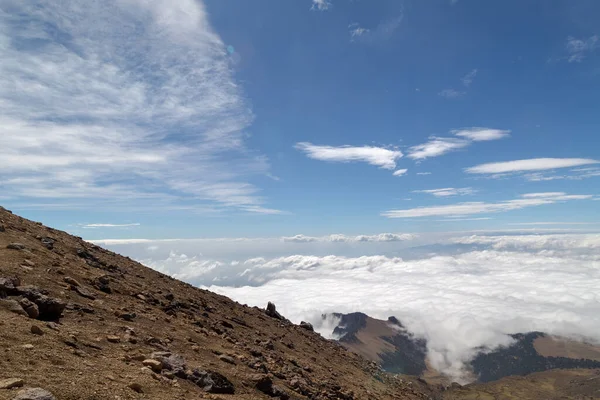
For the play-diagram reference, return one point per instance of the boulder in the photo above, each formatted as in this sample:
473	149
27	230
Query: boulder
34	394
306	325
212	382
154	365
30	308
50	308
48	242
102	284
271	311
8	285
171	361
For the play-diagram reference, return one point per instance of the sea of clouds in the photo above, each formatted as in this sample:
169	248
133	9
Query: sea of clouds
459	292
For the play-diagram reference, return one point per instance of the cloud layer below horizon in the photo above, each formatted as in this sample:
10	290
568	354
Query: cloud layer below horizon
471	291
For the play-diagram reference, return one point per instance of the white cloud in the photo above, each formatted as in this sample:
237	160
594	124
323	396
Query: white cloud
555	223
377	156
384	30
468	78
382	237
81	120
534	164
463	219
320	5
579	48
447	192
458	301
436	146
357	31
400	172
109	225
481	134
470	208
423	173
451	93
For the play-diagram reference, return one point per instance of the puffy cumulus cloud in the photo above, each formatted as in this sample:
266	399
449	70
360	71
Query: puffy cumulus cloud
122	103
299	239
377	156
459	302
469	208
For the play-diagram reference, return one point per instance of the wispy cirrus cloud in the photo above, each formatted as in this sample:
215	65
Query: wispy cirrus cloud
435	147
320	5
400	172
451	93
578	49
122	103
528	165
448	192
478	134
470	208
378	156
384	30
469	77
93	226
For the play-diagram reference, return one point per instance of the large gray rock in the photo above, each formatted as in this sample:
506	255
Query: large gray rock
271	311
8	285
50	308
171	361
212	382
34	394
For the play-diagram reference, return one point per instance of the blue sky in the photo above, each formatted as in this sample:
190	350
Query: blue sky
242	119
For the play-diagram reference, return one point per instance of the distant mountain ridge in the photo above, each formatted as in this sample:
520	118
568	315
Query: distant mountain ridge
399	351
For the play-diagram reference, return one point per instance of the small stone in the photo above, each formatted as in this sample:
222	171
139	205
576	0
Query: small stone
70	281
34	394
2	228
53	325
155	365
136	387
27	346
195	348
11	383
113	339
29	263
36	330
227	359
16	246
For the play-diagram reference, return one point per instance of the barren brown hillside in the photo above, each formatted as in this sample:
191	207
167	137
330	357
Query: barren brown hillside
101	326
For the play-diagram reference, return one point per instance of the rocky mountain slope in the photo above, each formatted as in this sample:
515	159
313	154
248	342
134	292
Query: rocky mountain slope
80	322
